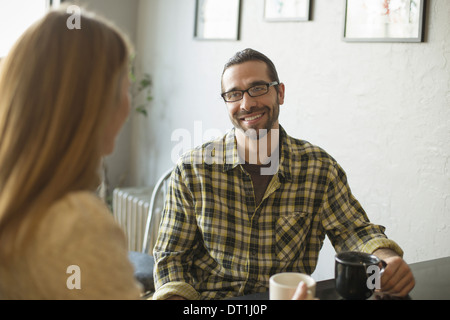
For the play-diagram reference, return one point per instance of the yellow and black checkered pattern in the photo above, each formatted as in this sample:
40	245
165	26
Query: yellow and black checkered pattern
215	242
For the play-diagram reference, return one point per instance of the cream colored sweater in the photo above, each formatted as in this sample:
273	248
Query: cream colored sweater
78	244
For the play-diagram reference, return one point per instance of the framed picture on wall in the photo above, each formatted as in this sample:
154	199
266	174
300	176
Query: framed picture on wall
217	19
287	10
384	20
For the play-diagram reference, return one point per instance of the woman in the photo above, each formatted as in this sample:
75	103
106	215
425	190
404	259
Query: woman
63	99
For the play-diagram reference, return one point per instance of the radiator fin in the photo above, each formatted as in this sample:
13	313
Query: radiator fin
130	210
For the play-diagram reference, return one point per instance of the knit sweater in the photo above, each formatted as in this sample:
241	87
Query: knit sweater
77	252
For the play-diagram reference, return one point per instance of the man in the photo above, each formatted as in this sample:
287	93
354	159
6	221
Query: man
258	202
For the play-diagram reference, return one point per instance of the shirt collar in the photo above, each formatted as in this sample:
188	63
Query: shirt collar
232	159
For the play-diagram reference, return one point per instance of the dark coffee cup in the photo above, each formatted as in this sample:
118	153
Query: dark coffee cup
356	274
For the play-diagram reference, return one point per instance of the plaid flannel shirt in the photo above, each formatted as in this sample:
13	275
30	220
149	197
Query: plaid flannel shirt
215	242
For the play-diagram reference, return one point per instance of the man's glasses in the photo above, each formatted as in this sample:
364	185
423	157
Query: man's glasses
256	91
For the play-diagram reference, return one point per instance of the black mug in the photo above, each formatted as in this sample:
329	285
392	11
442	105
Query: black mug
357	274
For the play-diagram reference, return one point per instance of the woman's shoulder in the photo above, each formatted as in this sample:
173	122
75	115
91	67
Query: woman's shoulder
80	205
81	214
79	201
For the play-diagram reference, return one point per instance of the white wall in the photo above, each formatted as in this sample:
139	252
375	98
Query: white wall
381	109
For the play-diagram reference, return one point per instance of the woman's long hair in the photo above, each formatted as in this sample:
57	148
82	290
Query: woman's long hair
58	88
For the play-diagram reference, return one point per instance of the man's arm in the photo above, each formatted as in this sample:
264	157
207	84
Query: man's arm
349	229
175	244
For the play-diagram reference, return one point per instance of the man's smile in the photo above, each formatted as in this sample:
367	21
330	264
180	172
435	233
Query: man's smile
252	118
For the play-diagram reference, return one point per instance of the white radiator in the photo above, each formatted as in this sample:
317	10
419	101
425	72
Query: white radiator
130	209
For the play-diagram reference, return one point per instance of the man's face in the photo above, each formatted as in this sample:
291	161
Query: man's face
252	112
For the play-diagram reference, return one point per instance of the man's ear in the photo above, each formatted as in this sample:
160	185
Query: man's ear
281	92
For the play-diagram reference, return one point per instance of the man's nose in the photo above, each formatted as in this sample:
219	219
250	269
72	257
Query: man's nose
247	102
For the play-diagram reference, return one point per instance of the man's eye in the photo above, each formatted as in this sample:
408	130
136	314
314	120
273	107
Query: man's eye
258	89
234	94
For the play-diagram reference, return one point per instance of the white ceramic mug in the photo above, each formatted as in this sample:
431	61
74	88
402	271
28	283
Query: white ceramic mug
282	286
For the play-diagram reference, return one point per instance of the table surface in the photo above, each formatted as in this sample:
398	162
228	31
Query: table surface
432	283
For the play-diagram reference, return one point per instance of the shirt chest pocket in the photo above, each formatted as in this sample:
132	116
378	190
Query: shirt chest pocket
290	234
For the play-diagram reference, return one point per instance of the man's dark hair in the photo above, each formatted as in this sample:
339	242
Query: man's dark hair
253	55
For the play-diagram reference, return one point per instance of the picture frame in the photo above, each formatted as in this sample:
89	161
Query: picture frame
384	20
217	20
287	10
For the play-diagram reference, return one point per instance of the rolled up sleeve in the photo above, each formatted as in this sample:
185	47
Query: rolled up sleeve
176	289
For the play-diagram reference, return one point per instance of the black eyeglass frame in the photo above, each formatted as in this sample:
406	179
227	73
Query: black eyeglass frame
268	85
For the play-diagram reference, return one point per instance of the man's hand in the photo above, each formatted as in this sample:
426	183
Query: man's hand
397	278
